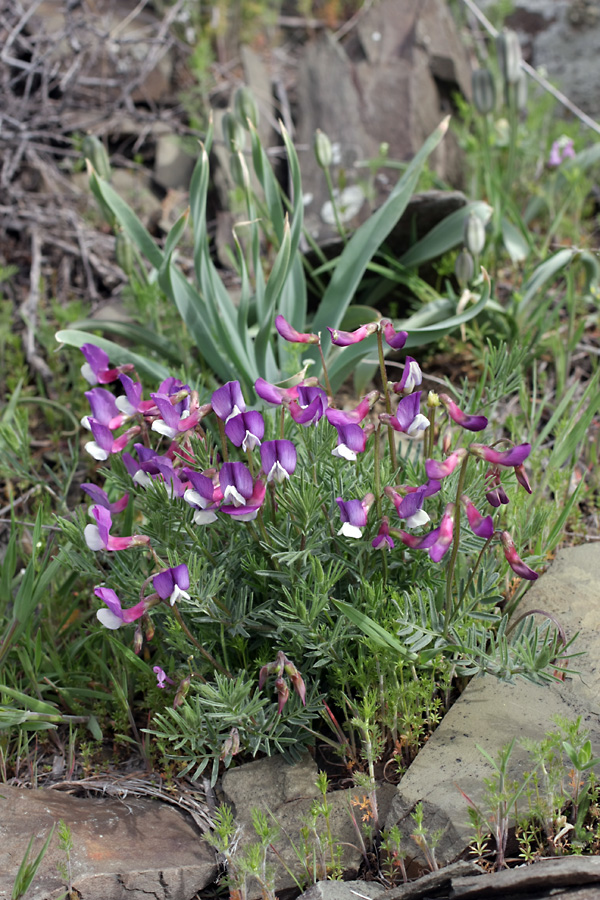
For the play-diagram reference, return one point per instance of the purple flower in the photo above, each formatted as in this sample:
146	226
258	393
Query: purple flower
412	377
395	339
309	406
274	394
202	496
410	507
495	493
353	514
162	679
174	417
278	460
471	423
104	409
228	401
96	369
115	615
482	526
104	443
241	497
290	334
441	469
514	560
100	498
408	418
438	541
352	416
245	430
561	149
131	401
345	338
352	439
513	457
522	478
171	584
98	536
383	539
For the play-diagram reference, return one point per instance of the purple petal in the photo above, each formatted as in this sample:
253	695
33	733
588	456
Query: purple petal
395	339
228	400
244	425
103	405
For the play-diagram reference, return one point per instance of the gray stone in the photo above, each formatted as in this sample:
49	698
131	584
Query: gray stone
556	873
287	792
563	38
173	165
129	849
490	712
343	890
383	84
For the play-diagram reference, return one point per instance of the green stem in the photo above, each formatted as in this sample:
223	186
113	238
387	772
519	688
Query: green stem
338	223
199	646
204	550
221	425
388	402
325	373
455	545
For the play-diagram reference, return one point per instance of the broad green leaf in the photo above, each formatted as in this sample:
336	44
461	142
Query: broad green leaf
368	238
514	242
374	631
31	703
444	236
128	220
118	355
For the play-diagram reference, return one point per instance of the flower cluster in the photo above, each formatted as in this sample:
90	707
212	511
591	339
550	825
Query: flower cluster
229	488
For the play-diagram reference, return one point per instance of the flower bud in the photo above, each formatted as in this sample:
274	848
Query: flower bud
234	133
484	91
245	106
464	268
323	149
239	171
433	400
474	234
184	686
138	640
508	49
95	151
124	253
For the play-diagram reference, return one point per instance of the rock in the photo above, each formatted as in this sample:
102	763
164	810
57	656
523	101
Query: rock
389	82
548	876
173	165
343	890
129	849
562	37
491	712
287	792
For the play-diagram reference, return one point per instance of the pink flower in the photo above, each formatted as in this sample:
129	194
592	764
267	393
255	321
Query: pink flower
412	377
513	457
290	334
471	423
514	560
482	526
162	679
383	539
437	470
395	339
98	536
352	416
115	616
438	541
345	338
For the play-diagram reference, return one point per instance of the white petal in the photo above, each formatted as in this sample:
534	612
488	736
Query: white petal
108	619
142	478
344	452
204	517
124	406
233	496
250	442
86	422
349	530
92	537
163	428
88	373
418	424
419	518
277	473
94	450
246	517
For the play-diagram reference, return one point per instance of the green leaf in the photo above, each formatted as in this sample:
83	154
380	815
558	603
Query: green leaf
374	631
446	235
132	331
516	245
368	238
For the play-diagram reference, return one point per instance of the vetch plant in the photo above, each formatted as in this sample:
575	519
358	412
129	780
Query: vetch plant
255	541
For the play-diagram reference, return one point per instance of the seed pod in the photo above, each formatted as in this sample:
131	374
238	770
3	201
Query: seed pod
484	91
464	267
234	133
245	106
508	49
124	253
323	149
239	171
474	234
95	151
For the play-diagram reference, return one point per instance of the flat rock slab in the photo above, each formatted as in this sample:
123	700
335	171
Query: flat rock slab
490	712
288	792
130	849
